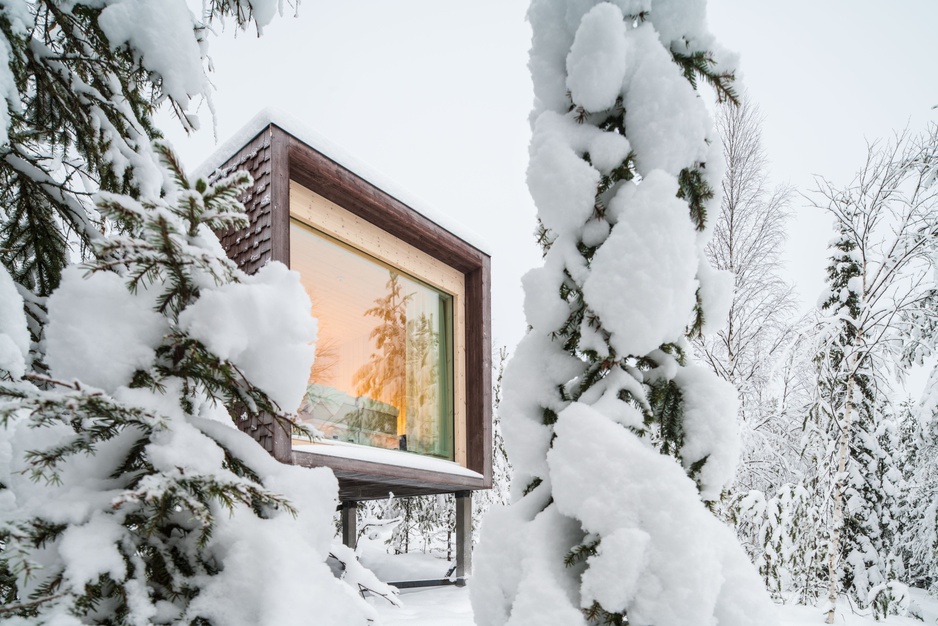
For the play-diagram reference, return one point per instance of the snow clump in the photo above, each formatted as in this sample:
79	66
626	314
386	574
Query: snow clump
14	334
643	280
597	60
263	326
99	332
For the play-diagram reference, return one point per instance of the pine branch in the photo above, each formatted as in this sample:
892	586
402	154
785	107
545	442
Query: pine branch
28	608
596	614
700	64
93	417
581	553
666	403
693	188
534	484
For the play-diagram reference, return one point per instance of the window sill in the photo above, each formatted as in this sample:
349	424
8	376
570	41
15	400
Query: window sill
383	456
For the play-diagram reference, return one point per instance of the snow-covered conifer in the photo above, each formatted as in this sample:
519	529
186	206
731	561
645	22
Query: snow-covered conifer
616	439
114	375
881	313
80	82
128	495
785	539
918	535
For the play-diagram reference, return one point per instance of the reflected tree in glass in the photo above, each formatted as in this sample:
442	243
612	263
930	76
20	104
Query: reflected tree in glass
384	373
384	377
327	353
423	376
403	371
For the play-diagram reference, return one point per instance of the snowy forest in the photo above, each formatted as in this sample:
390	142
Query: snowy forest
676	441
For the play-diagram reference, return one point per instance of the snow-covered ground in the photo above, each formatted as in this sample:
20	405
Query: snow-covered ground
449	606
436	606
927	608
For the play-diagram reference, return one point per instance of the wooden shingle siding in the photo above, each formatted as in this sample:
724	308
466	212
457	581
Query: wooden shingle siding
251	247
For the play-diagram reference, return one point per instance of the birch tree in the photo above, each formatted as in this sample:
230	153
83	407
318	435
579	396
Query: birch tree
881	308
750	347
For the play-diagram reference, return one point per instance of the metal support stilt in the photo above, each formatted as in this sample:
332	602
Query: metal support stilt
463	536
350	524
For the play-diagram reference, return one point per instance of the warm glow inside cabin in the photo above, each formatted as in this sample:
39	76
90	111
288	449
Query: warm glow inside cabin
390	356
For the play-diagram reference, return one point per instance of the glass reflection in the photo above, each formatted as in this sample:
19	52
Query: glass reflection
383	372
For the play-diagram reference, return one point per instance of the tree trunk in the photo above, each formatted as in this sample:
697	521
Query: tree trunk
833	557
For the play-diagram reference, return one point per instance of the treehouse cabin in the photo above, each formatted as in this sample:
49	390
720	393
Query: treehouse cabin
401	388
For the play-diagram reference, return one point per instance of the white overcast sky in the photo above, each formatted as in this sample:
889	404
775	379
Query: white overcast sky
435	95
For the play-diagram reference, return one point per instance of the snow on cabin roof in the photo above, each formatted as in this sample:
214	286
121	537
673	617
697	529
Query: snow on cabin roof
313	139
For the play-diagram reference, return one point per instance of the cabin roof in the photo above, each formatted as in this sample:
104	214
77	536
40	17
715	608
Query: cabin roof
289	124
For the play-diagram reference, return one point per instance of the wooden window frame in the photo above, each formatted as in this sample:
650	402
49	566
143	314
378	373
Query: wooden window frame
309	209
275	158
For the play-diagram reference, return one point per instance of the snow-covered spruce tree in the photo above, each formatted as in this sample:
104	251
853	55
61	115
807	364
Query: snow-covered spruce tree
80	82
881	310
785	540
918	535
616	439
128	496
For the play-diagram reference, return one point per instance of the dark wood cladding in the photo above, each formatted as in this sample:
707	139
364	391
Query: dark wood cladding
252	247
479	371
268	432
274	158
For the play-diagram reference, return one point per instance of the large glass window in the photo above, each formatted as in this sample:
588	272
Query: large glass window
383	374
